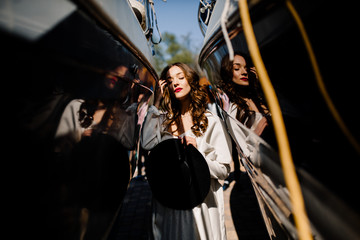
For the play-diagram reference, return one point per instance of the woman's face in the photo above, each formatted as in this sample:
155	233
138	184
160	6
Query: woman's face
112	78
240	74
178	84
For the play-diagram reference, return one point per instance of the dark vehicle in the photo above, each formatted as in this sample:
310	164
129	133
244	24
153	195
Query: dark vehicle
323	155
59	53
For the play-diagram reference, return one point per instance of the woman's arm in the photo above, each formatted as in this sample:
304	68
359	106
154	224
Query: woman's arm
216	148
69	130
127	129
151	129
69	124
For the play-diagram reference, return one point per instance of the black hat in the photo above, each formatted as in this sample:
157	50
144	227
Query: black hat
99	173
178	175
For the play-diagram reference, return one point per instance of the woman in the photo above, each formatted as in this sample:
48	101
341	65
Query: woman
240	83
91	144
186	117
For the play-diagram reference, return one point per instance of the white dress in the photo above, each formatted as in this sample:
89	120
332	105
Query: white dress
205	221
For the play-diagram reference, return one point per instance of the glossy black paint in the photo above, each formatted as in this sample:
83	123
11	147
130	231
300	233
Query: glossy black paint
40	78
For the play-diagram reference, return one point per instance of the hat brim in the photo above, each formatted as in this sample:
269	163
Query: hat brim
178	175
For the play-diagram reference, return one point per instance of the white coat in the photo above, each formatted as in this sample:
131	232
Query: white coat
205	221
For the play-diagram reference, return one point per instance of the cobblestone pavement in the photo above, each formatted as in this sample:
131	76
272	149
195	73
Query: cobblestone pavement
242	215
134	219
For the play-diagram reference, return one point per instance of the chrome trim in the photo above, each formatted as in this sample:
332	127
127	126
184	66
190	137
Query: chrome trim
92	7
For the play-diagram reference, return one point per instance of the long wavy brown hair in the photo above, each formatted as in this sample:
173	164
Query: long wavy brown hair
197	106
236	93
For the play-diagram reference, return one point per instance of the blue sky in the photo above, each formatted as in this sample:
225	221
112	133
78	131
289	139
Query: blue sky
180	18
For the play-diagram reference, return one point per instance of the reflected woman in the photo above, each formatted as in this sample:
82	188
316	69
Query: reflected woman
240	83
185	116
91	145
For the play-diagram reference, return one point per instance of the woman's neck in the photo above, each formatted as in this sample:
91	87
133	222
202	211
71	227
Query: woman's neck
185	105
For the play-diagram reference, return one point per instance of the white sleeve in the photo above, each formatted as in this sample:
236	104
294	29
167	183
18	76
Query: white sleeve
69	124
127	130
151	129
216	149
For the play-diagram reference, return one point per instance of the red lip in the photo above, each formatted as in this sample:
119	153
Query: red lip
177	90
112	79
244	79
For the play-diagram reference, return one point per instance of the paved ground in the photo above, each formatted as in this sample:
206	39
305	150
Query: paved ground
134	220
229	224
242	215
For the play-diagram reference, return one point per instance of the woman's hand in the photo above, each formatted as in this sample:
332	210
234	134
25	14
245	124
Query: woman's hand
159	94
189	140
253	70
87	132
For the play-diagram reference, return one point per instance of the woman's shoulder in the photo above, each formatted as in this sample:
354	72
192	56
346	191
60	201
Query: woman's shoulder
75	102
212	117
73	106
155	111
209	114
233	107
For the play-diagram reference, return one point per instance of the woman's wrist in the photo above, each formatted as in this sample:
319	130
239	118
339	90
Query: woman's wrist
157	103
